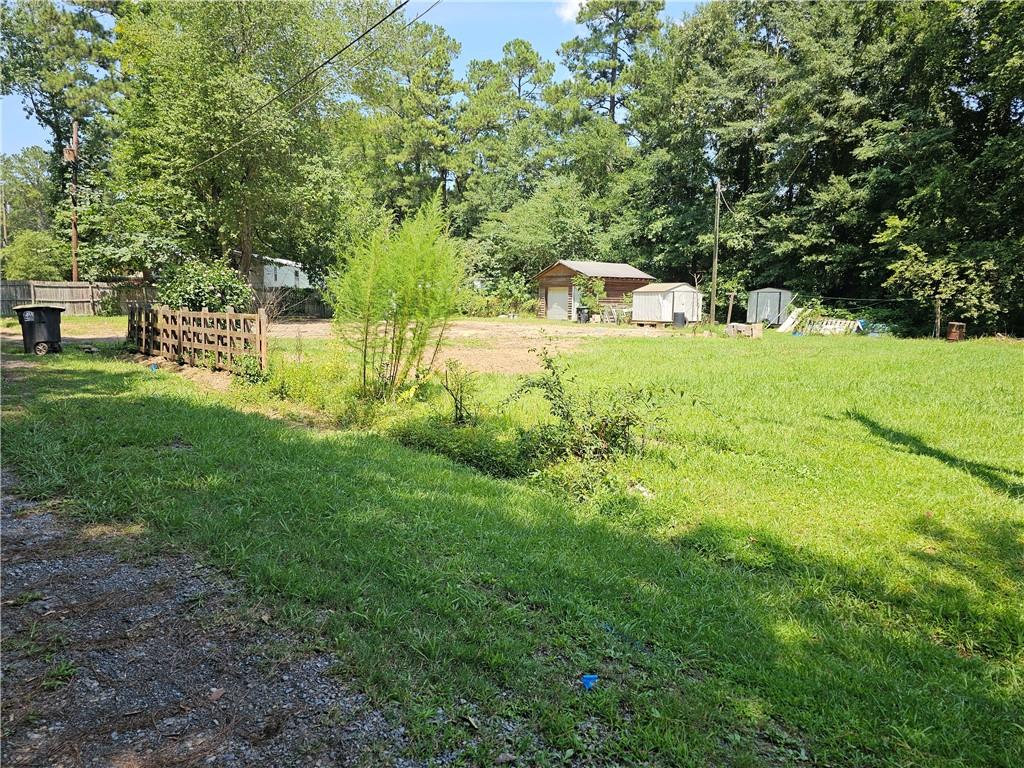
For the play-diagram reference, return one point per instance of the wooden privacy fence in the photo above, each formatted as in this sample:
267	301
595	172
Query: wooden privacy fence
293	302
114	298
210	339
76	298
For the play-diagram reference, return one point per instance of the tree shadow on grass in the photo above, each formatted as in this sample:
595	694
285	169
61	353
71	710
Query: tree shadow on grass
439	583
999	479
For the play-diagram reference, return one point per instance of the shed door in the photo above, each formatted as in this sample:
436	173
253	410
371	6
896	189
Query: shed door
558	304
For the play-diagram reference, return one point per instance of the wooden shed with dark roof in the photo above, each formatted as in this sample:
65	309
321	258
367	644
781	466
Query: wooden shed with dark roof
557	298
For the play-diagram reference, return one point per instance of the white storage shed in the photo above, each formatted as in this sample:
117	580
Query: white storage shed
659	302
769	305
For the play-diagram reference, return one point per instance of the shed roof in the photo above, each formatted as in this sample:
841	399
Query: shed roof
601	269
769	288
664	287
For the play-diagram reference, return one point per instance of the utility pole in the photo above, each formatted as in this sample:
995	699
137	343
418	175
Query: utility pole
714	260
71	156
3	213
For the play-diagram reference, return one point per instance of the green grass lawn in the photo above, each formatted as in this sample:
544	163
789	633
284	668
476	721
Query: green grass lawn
81	325
829	570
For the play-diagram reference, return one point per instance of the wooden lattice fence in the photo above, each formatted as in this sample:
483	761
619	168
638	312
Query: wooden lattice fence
218	340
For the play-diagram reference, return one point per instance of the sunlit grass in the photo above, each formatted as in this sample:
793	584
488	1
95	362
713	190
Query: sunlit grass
831	561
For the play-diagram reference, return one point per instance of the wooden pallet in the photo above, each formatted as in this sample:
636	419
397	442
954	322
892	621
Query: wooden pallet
651	324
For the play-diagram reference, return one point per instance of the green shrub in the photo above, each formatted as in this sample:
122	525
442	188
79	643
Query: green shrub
474	303
110	305
196	284
247	368
591	290
590	425
514	294
511	295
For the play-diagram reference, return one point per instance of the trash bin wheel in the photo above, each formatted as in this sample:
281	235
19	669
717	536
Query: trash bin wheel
41	348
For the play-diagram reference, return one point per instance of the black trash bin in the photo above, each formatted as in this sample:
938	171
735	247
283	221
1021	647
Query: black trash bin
679	319
583	314
40	327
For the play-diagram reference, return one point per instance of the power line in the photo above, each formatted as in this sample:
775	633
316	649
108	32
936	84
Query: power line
316	93
367	56
325	62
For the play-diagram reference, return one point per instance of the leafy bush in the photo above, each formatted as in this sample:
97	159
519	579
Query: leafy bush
394	298
591	291
511	295
514	294
110	305
590	425
196	284
247	368
474	303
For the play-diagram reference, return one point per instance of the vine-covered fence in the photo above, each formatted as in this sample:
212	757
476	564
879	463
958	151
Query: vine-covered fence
219	340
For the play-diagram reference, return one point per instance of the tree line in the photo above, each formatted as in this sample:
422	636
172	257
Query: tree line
869	151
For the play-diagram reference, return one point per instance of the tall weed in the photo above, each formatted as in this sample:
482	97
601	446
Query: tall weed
394	297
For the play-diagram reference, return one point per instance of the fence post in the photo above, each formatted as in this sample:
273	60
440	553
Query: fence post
261	336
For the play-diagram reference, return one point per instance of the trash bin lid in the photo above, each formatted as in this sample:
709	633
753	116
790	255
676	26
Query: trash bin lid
40	306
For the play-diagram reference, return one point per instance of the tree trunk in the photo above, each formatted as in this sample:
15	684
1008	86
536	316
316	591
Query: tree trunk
245	244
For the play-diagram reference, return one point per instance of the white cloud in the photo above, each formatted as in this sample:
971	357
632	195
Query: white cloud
567	10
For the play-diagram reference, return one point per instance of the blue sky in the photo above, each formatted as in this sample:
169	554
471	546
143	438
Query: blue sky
482	27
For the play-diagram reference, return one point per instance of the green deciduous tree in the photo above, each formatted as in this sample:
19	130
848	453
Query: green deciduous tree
556	222
217	153
27	189
35	256
864	150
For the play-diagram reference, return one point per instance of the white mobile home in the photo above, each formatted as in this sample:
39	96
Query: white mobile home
768	305
660	302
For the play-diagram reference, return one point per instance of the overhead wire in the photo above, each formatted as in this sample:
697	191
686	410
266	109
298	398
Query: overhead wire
316	93
367	56
326	61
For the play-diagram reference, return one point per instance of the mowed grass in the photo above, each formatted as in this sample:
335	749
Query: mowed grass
828	568
80	325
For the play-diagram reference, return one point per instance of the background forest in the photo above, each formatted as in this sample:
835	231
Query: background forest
869	151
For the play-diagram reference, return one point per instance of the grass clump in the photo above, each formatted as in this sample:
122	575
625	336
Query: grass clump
584	431
59	675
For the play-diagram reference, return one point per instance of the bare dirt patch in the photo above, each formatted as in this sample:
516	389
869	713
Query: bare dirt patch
488	346
116	659
218	381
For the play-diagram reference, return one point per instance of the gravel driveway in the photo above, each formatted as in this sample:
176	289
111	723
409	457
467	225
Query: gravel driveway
115	655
